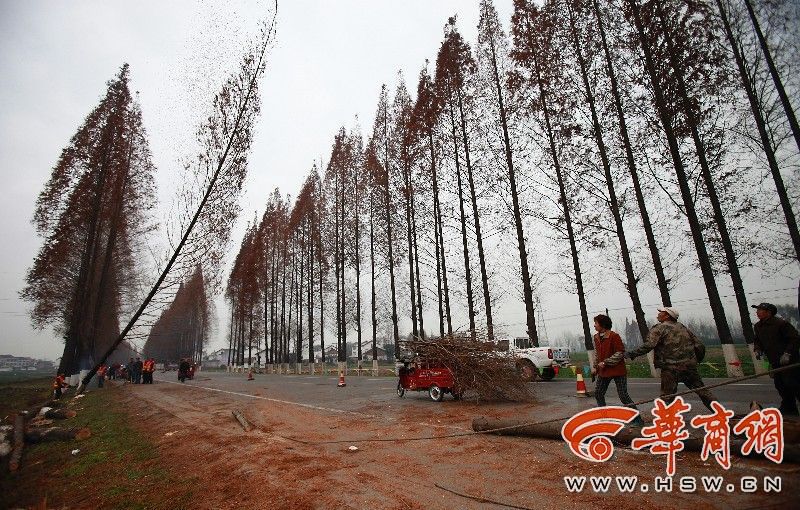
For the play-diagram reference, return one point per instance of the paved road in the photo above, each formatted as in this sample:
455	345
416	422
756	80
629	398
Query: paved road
376	395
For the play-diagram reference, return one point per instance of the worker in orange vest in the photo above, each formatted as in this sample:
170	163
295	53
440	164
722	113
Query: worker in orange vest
58	384
148	368
101	375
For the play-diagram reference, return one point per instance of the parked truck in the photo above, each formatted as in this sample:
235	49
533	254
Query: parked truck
534	362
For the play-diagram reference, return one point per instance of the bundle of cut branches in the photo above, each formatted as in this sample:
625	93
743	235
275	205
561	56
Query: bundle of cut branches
475	363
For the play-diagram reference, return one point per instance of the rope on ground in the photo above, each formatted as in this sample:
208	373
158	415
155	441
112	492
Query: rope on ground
481	499
542	422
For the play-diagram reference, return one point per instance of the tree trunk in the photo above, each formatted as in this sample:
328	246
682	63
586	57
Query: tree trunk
773	71
19	443
321	301
719	217
587	336
416	267
357	255
292	304
487	301
373	310
250	339
118	199
274	304
691	213
632	281
467	269
72	348
57	434
233	319
343	263
662	281
301	255
390	238
311	356
440	251
283	354
786	205
527	291
411	279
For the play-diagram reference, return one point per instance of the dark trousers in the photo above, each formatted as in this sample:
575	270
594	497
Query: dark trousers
670	377
100	379
788	385
601	386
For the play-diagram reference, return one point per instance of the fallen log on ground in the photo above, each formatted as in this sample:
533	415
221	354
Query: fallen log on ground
58	414
57	434
19	443
552	430
242	420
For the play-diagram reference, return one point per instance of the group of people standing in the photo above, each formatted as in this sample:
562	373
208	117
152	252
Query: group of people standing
677	352
135	372
141	372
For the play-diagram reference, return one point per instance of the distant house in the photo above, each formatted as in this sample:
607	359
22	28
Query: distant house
331	354
10	363
216	359
381	354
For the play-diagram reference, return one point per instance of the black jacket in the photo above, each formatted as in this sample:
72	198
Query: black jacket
774	336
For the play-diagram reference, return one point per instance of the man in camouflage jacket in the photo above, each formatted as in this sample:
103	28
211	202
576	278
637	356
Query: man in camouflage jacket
673	346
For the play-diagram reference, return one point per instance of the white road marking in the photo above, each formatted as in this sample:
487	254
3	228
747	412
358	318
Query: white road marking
309	406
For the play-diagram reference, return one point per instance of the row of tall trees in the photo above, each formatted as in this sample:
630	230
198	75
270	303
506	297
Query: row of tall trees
93	214
626	142
182	329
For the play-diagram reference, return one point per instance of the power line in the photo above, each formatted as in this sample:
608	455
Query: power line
660	304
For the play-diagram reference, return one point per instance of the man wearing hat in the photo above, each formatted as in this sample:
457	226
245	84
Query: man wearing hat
675	351
779	341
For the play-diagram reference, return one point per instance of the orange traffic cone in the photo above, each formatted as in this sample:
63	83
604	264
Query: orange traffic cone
250	375
581	391
341	384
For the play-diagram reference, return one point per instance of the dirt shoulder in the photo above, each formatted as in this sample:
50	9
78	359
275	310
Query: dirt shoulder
178	446
117	467
196	435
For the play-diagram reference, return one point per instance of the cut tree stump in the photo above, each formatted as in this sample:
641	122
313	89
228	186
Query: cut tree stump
57	434
19	443
6	434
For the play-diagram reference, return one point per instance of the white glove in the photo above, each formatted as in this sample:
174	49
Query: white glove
785	359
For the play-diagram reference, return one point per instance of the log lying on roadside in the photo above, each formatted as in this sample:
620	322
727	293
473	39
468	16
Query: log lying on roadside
515	427
57	434
242	420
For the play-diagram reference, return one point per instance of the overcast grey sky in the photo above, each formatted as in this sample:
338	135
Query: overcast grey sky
328	66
